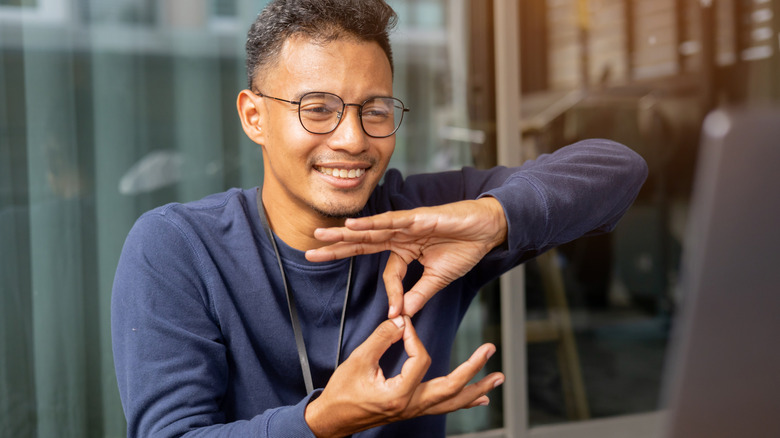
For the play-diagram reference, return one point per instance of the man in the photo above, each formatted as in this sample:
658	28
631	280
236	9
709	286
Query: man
287	310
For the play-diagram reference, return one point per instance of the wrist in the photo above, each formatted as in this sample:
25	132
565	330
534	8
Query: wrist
320	425
498	224
310	415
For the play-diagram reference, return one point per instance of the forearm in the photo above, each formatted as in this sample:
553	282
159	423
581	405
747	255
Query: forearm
174	382
581	189
175	385
283	421
171	351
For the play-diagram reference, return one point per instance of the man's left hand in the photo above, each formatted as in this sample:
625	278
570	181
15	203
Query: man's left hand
448	240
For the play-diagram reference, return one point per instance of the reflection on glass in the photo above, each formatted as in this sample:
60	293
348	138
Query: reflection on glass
434	76
109	109
644	73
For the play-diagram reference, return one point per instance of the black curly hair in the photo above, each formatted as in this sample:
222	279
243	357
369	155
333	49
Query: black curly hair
321	20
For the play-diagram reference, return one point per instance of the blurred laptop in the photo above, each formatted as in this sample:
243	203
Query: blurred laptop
723	372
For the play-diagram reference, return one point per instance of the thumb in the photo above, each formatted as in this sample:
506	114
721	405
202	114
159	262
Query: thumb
386	334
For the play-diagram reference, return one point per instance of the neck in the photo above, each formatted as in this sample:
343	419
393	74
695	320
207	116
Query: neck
295	226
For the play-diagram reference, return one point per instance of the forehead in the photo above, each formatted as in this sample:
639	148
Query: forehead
350	68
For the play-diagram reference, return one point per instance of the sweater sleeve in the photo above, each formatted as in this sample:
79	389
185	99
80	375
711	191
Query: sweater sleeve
581	189
578	190
170	357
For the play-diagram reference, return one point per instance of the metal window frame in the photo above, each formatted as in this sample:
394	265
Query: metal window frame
648	425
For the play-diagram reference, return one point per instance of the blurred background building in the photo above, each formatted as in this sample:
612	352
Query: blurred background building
108	109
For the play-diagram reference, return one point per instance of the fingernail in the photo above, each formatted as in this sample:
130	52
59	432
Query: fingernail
491	351
398	321
498	383
485	402
392	310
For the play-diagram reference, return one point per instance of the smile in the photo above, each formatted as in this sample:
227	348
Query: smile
342	173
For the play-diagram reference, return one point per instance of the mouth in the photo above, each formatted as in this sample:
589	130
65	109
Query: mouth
341	173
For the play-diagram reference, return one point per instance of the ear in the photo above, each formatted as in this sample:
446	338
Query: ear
251	113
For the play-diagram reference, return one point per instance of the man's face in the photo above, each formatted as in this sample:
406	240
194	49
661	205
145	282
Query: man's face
303	170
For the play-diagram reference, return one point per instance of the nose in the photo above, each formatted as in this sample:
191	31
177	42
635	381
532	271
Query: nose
349	135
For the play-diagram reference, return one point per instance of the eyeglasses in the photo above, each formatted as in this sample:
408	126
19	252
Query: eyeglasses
321	113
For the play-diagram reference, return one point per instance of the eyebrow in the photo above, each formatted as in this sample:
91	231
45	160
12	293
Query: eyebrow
300	95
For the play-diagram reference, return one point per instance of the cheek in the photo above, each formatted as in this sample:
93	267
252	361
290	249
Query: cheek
386	146
287	143
280	125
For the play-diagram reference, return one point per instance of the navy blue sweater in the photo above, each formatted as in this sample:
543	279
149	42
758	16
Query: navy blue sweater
203	344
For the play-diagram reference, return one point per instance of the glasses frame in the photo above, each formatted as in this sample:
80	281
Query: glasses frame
344	106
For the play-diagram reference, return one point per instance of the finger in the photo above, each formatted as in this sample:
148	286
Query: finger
393	276
468	369
481	401
386	334
342	234
384	221
414	368
468	397
471	396
451	391
342	250
425	288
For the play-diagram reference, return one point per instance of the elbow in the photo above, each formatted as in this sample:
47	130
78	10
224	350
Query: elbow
633	167
637	168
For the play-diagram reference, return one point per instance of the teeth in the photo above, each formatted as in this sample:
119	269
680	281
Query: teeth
342	173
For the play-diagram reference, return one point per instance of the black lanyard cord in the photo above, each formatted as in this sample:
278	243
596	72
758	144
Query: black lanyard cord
293	309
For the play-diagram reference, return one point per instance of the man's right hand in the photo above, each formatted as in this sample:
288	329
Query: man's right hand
359	397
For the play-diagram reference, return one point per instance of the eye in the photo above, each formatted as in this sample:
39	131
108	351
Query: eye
318	111
376	110
320	106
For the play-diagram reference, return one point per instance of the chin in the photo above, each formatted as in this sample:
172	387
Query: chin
337	211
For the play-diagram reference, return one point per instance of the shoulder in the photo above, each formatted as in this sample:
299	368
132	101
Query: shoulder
170	251
179	227
212	210
204	207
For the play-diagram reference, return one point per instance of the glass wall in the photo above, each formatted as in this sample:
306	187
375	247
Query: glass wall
645	73
108	109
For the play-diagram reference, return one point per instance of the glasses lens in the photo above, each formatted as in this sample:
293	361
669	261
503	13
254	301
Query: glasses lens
319	112
381	116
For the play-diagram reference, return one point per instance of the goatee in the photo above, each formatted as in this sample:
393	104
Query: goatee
337	212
